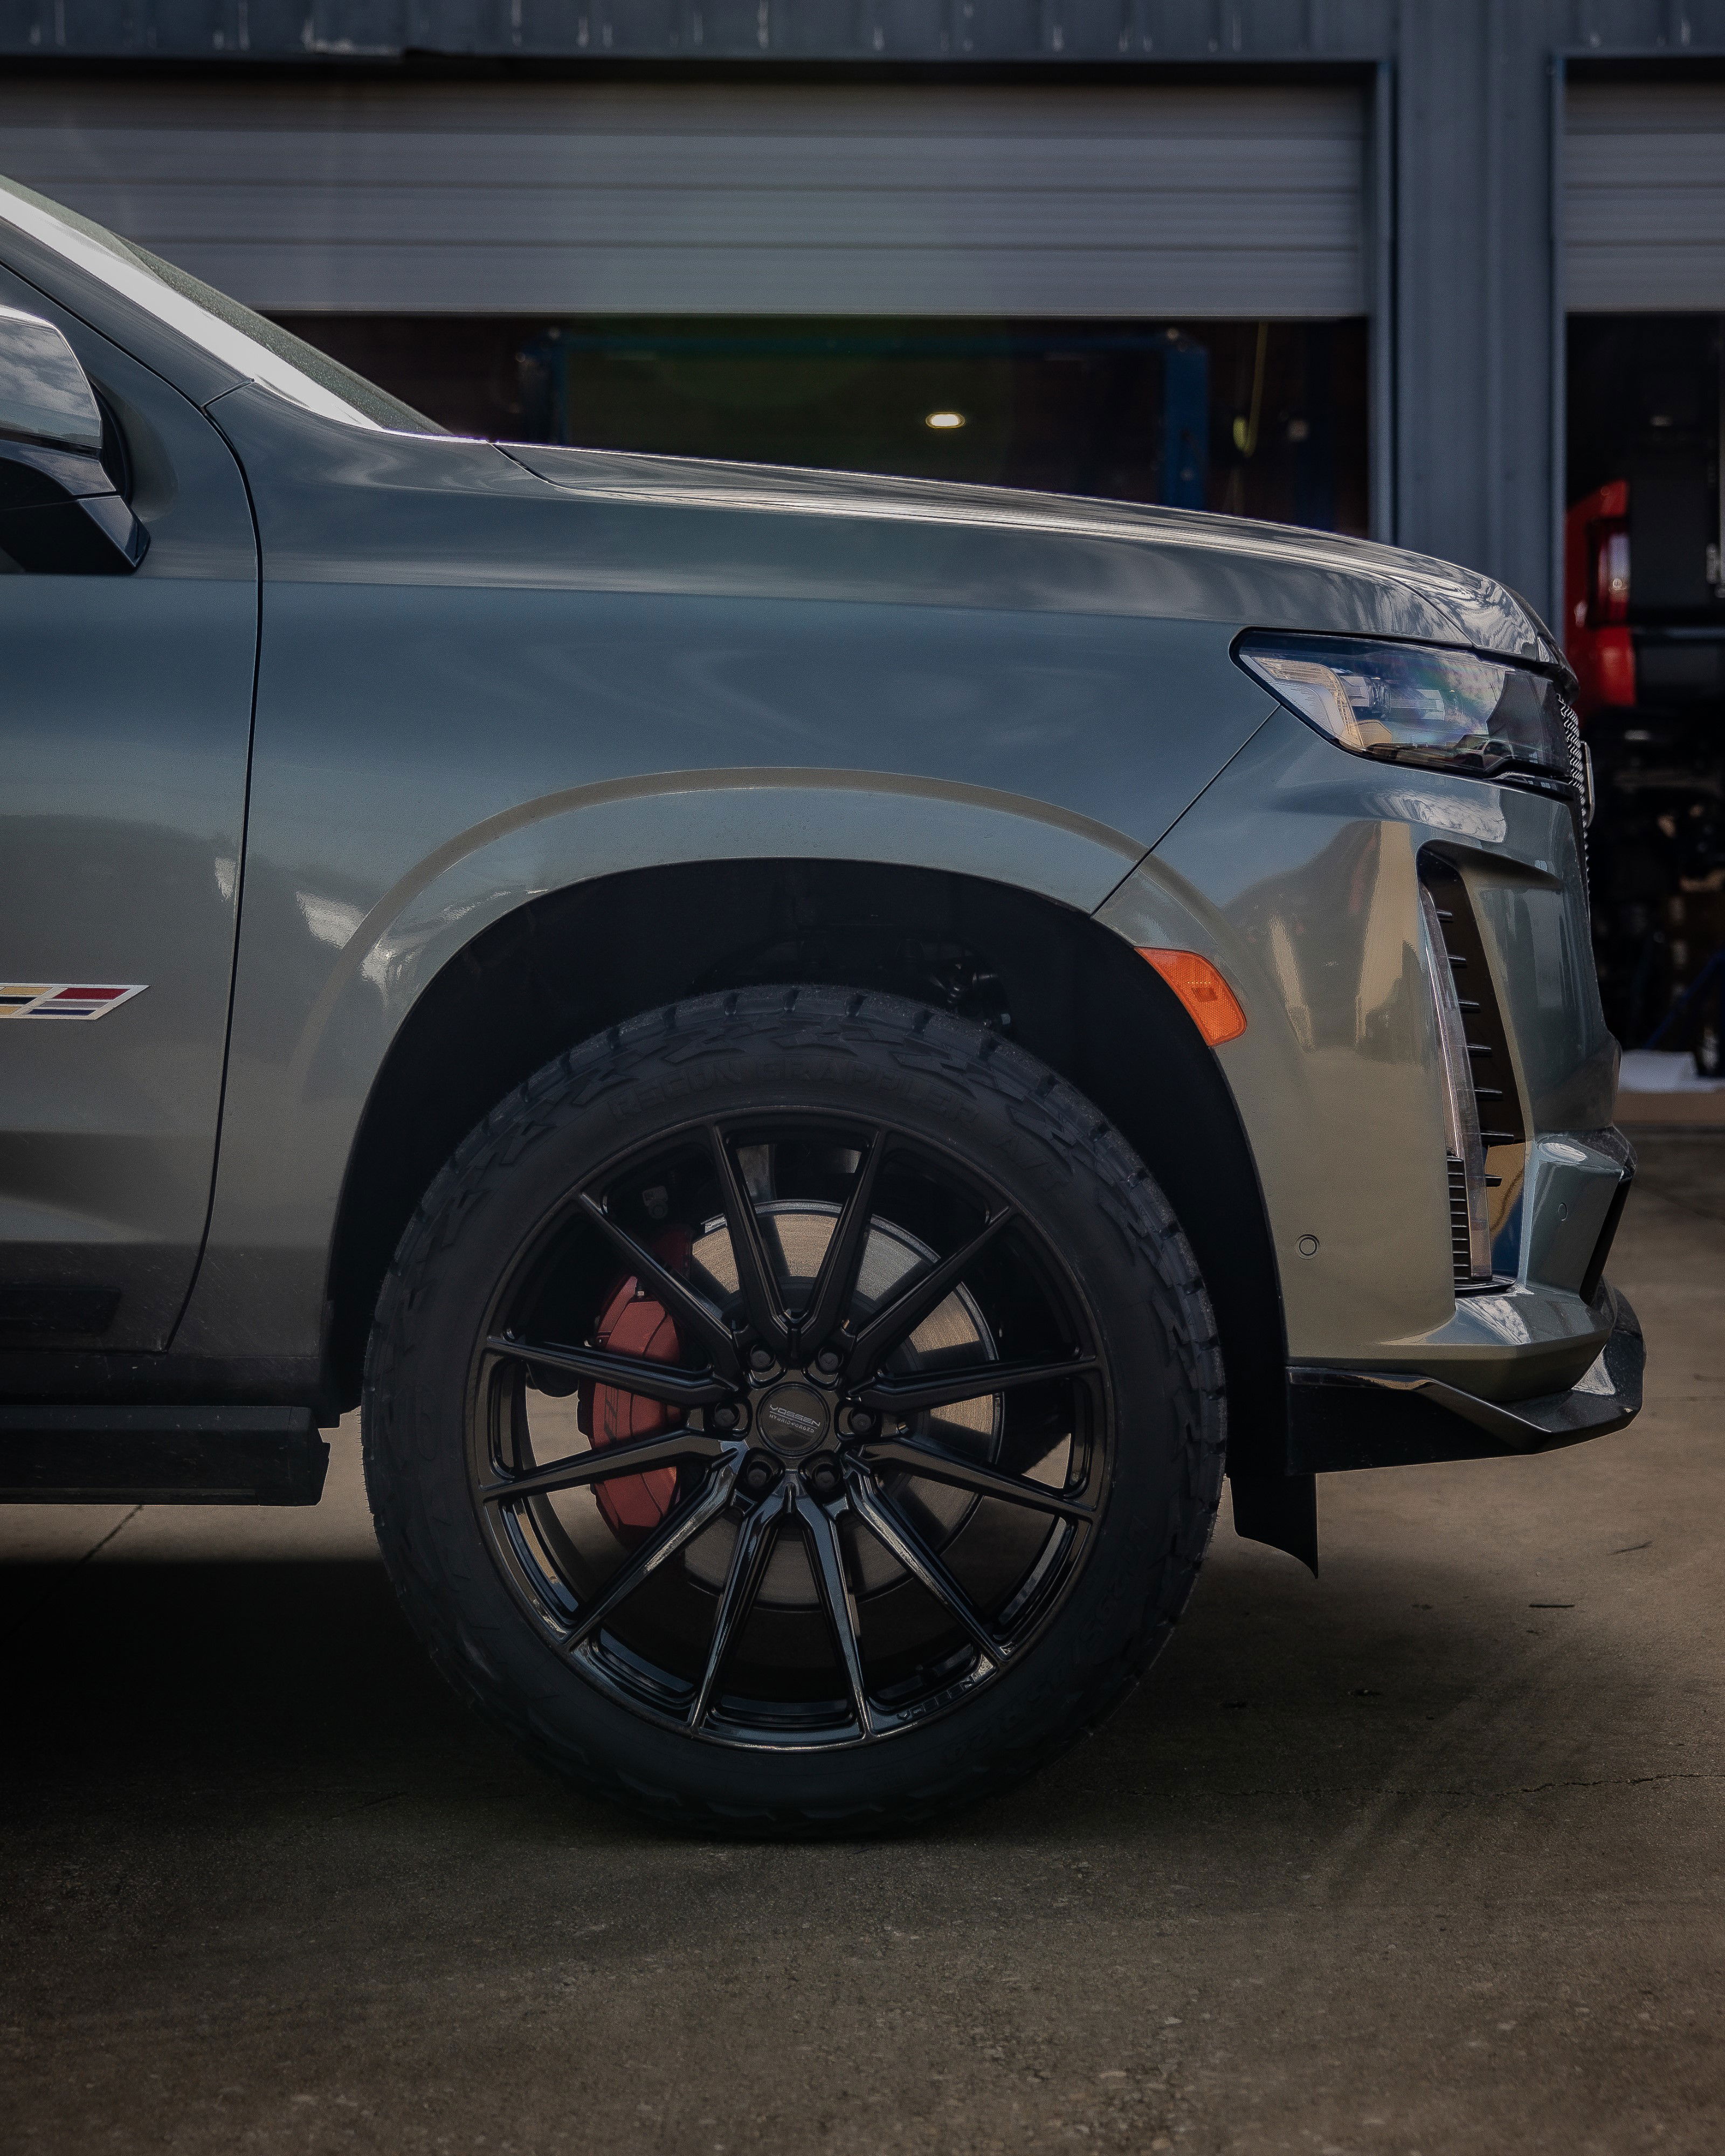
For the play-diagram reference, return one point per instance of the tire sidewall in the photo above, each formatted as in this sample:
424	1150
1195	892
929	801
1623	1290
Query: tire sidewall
949	1087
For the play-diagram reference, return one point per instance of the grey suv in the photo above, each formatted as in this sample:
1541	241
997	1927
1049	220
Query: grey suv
823	1054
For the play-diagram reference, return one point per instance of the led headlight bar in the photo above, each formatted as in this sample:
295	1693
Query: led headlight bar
1418	703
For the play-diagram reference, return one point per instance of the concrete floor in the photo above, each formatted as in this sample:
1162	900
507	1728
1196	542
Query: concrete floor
1423	1857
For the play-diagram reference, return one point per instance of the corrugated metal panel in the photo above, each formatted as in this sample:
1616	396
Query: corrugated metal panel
1049	31
1644	196
561	197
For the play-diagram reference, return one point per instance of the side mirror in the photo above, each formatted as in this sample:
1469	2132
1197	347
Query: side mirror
60	513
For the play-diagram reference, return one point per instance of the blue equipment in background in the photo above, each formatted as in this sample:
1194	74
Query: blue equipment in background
1185	424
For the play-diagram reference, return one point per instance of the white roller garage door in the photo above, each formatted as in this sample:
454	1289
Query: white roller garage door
565	198
1644	198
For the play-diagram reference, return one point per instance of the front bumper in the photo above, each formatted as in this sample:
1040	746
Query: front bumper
1339	1419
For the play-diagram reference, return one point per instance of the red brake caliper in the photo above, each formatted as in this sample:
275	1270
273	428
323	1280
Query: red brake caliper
633	1323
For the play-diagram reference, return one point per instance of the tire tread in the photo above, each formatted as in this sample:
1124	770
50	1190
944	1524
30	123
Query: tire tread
797	1020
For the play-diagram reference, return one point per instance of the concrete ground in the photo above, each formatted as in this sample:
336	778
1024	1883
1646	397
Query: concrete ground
1425	1857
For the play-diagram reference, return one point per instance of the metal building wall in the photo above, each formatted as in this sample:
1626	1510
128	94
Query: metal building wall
821	197
1466	248
1644	198
1048	32
1477	331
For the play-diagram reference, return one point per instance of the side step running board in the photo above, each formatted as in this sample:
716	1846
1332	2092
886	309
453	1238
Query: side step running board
51	1455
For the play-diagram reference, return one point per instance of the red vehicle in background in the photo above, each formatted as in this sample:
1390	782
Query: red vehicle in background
1596	598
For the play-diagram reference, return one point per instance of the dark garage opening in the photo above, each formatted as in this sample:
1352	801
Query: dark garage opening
1264	419
1645	626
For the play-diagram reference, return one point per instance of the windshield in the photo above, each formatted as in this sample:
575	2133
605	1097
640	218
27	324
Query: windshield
221	326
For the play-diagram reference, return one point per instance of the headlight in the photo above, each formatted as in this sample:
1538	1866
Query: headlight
1417	703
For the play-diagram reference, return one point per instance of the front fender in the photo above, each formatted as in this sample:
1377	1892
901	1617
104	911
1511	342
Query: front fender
476	687
332	982
416	927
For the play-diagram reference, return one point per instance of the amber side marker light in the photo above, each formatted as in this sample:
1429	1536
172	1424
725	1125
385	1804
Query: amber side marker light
1210	1003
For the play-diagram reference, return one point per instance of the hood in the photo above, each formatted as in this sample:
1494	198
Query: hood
1232	568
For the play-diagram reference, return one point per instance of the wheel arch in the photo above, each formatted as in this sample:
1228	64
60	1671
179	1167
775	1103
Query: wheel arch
562	967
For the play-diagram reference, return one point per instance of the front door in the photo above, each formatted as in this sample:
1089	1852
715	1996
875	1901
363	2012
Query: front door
125	730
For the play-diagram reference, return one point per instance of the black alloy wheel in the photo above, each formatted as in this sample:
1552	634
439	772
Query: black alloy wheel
826	1430
752	1415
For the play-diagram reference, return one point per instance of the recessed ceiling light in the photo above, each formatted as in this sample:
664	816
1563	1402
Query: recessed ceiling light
944	422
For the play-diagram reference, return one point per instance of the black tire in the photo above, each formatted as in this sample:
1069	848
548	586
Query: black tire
1092	1254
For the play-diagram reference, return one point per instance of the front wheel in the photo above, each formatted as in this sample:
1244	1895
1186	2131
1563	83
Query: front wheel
794	1412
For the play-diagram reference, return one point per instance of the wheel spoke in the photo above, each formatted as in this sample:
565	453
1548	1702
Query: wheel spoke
685	1307
927	1291
749	1246
939	1466
756	1540
921	1563
839	1603
675	1449
627	1373
941	1389
849	1243
677	1527
839	1268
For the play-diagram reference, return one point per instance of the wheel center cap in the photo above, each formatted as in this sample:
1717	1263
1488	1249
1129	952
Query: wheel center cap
792	1418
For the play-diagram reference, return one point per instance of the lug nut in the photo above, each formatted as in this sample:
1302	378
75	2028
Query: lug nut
760	1359
862	1423
724	1417
758	1474
828	1362
823	1477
